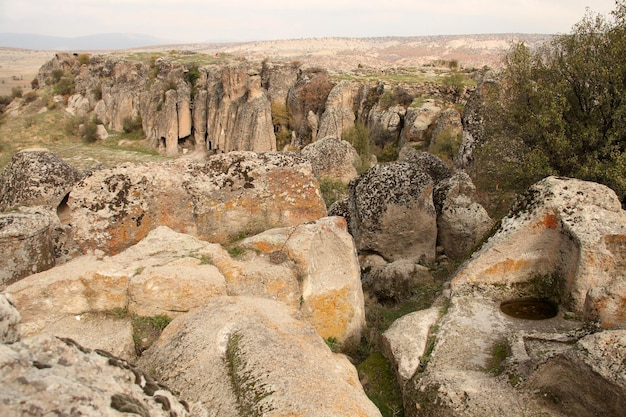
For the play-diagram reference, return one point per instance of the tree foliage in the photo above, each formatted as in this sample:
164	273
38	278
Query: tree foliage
561	108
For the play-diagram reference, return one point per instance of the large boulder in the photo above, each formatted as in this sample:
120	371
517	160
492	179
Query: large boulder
418	122
169	273
49	376
332	158
247	356
565	240
385	124
36	177
461	220
328	275
26	244
338	113
220	199
392	212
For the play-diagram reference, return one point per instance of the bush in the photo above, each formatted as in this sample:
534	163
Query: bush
17	92
89	130
65	86
564	103
83	59
313	94
30	97
359	138
56	75
34	84
132	124
446	145
332	190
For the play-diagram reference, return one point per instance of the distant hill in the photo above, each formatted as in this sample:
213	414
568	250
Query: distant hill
107	41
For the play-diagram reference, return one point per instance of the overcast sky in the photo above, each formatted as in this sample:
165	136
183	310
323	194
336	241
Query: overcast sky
247	20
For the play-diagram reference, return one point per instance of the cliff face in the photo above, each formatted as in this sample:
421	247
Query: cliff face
189	103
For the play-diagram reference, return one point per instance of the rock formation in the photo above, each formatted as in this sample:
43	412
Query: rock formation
338	113
226	196
245	356
332	158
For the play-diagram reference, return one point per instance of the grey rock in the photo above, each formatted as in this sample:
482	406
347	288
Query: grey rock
332	158
9	320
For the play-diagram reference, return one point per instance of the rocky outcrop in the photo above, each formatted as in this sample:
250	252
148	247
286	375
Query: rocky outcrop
332	158
255	359
447	128
46	376
338	113
277	78
169	273
219	199
36	177
329	293
385	124
393	282
9	320
392	212
461	220
418	121
564	233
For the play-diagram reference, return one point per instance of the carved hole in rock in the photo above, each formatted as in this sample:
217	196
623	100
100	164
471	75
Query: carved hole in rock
530	309
63	211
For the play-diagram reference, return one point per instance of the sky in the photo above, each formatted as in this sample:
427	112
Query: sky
252	20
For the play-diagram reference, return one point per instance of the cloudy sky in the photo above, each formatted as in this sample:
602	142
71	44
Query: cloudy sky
246	20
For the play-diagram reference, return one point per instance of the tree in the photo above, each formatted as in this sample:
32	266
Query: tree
564	105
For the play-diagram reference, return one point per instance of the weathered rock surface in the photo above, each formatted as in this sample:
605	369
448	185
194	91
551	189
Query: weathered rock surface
327	272
392	212
338	113
170	273
217	200
247	356
48	376
332	158
385	124
598	365
9	320
405	341
427	162
393	282
418	121
26	244
36	177
461	220
566	233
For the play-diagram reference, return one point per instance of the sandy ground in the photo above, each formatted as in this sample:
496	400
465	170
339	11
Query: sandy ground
18	67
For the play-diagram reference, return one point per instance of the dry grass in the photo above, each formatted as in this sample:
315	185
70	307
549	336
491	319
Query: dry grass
56	130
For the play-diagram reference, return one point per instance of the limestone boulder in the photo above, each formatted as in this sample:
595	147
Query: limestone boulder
219	199
461	220
563	240
598	365
78	105
395	281
332	158
404	343
26	243
47	376
9	320
277	78
418	122
246	356
338	113
392	212
36	177
327	274
385	124
431	164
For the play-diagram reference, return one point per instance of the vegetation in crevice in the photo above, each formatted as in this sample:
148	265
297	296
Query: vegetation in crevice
251	393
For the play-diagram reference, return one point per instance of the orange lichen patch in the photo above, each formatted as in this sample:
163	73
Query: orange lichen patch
266	247
549	221
615	239
330	313
508	266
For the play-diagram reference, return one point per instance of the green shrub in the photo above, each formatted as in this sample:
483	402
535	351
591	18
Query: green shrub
332	190
132	124
34	84
89	130
30	96
83	59
17	92
359	138
56	75
65	86
446	145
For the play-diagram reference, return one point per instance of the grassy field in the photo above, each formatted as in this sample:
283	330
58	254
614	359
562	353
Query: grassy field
38	125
